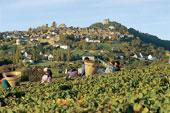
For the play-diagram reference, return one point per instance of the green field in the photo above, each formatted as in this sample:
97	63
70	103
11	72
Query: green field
145	90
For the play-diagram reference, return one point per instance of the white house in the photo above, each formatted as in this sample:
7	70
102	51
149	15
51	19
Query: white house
31	61
96	41
22	51
92	41
28	61
56	45
135	56
8	37
50	57
87	39
25	54
45	55
31	39
40	53
121	57
64	46
48	37
53	33
130	36
111	27
150	57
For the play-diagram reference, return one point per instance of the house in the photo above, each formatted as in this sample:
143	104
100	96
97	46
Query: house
8	37
28	61
92	41
53	33
50	57
130	36
48	37
45	55
31	39
56	45
31	61
135	56
150	57
64	47
96	41
110	37
25	54
40	53
87	39
111	27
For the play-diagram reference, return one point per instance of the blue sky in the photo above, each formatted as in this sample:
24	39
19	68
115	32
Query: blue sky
149	16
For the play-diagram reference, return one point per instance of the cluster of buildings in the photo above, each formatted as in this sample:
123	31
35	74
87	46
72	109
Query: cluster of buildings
52	34
140	56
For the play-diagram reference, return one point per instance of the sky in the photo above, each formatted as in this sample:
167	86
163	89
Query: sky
148	16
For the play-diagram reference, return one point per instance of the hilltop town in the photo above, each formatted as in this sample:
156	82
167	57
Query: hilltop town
109	38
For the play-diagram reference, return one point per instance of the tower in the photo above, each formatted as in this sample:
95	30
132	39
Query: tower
106	21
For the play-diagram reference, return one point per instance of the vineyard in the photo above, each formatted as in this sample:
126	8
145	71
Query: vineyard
142	90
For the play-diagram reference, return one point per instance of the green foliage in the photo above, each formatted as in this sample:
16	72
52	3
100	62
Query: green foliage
60	55
147	38
117	26
35	53
17	55
140	90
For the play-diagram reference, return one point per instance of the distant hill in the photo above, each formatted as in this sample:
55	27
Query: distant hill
144	37
148	38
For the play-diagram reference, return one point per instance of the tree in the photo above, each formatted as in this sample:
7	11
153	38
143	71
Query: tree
68	55
35	54
136	42
17	55
59	55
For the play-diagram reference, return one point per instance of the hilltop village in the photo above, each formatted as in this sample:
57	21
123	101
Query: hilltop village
104	39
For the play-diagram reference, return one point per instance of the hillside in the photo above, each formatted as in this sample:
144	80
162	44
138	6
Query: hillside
132	91
115	26
144	37
148	38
